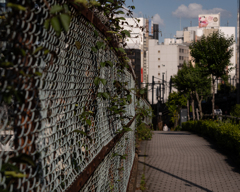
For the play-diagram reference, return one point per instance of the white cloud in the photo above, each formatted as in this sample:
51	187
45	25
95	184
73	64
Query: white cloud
157	19
194	9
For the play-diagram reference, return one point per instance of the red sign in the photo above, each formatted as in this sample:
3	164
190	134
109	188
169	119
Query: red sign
141	75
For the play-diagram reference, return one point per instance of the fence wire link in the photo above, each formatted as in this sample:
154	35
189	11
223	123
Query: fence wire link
50	90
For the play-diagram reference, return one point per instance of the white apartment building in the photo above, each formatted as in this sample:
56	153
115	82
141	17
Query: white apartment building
139	40
165	60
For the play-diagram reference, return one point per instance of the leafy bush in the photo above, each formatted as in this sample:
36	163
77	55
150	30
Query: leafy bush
143	132
225	134
235	111
178	128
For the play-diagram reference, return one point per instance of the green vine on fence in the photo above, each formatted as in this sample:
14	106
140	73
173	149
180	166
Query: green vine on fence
60	19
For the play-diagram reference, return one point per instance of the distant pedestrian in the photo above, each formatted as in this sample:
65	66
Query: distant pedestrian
165	127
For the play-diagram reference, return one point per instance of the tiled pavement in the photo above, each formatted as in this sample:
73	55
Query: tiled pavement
182	162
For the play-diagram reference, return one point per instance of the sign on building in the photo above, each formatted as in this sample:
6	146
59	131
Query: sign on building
209	20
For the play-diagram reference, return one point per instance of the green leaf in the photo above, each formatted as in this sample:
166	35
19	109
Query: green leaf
79	131
109	63
100	44
7	99
102	64
14	174
8	166
121	18
94	3
66	9
6	64
38	73
65	20
104	81
129	97
94	50
55	9
37	49
127	129
142	91
22	72
126	32
121	49
56	25
115	154
23	158
96	81
95	33
16	6
78	45
46	51
105	95
120	12
47	23
88	121
99	94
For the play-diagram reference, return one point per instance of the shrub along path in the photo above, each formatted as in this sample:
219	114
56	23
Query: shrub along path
182	161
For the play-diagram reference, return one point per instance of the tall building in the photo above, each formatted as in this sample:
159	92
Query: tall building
140	40
135	57
164	61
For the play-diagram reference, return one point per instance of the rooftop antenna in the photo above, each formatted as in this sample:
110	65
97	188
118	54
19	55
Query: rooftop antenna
190	23
227	23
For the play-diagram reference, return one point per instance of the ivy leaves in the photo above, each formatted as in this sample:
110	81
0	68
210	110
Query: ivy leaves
60	18
97	80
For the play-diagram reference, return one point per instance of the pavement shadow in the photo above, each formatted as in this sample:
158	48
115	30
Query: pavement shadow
142	155
189	183
231	159
173	133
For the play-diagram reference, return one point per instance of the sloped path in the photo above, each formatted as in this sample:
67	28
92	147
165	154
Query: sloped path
182	162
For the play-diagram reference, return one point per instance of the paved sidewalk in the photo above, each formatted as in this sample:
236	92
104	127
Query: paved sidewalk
181	161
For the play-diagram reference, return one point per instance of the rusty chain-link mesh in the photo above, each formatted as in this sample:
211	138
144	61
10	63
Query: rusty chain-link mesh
44	93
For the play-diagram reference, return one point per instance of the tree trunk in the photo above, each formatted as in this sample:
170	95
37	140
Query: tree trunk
192	103
199	104
175	120
213	97
200	110
188	116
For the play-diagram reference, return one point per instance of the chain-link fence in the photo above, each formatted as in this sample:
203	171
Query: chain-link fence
46	84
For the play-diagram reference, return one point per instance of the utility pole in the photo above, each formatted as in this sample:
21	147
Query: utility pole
163	86
152	88
170	90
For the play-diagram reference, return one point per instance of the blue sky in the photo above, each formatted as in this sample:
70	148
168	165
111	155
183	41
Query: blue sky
168	12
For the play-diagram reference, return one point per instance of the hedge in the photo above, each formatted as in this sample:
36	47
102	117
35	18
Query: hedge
225	134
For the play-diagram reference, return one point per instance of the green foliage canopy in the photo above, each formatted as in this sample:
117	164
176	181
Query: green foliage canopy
213	53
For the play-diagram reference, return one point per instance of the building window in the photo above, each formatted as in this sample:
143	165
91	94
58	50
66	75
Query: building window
158	59
158	73
179	57
158	66
158	51
163	65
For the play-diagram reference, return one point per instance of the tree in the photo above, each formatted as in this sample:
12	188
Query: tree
235	111
212	54
191	82
175	102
